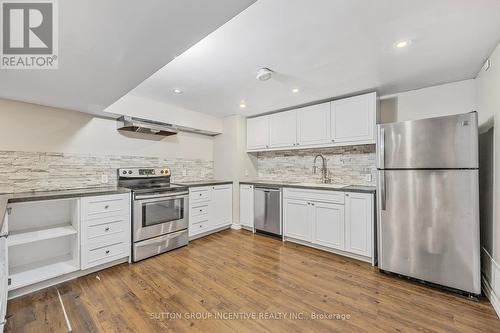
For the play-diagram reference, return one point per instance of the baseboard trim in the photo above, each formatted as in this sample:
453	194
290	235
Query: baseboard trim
236	226
490	277
328	249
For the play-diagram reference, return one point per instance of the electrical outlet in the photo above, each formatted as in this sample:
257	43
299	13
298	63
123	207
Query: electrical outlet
104	179
368	177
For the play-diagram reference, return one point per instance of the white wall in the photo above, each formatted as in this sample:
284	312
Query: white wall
488	101
136	106
231	160
441	100
31	127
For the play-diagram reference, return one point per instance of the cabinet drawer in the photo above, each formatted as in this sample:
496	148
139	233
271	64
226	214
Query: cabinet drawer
107	253
112	227
198	210
199	227
106	205
198	219
314	195
199	194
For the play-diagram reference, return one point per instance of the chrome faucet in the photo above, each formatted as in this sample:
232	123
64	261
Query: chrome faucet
323	167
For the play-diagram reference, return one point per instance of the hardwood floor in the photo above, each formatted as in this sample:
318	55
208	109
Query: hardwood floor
236	273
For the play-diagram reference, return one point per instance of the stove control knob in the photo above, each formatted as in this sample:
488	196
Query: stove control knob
124	172
130	172
162	172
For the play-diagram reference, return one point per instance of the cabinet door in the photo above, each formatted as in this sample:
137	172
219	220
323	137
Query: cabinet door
297	219
283	129
313	125
258	133
359	223
328	225
221	206
353	119
246	206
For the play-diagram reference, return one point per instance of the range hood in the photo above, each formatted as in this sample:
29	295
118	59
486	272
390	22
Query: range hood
139	125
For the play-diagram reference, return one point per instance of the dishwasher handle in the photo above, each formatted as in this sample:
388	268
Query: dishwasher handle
267	190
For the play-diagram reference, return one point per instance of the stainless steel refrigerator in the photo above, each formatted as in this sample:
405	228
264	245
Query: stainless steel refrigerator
428	200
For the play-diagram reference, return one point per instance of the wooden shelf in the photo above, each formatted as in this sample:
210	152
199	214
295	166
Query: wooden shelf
30	236
22	276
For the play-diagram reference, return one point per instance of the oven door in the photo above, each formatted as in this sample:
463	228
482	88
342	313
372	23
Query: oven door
160	215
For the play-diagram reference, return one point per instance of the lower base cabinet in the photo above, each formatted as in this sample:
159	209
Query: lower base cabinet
246	206
343	221
328	224
210	208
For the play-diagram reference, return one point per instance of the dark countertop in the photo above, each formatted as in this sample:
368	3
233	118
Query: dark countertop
350	188
208	182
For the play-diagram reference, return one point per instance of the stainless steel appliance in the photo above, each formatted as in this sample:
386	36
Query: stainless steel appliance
428	200
160	217
267	210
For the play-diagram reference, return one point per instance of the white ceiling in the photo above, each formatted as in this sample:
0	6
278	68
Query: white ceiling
108	47
328	48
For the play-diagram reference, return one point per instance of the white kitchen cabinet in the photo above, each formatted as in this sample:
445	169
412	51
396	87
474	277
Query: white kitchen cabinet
222	206
359	217
210	208
353	119
297	219
246	206
258	133
106	228
333	220
313	125
328	224
283	129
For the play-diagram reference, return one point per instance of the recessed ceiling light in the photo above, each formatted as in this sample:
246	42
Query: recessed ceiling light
243	105
177	91
295	90
402	43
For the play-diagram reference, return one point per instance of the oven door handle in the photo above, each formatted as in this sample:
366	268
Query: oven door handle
158	197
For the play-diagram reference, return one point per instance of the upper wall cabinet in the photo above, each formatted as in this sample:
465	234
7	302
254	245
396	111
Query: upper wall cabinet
313	126
258	133
283	129
349	121
353	119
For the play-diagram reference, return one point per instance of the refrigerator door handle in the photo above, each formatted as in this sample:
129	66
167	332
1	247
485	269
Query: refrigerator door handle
382	190
381	148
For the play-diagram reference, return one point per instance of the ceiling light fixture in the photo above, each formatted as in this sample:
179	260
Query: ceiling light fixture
243	105
402	43
177	91
295	90
264	74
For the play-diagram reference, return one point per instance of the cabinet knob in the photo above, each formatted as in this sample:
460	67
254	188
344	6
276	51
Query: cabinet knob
347	194
333	140
107	229
106	207
107	251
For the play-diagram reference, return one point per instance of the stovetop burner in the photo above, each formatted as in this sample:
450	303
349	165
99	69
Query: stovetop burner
143	180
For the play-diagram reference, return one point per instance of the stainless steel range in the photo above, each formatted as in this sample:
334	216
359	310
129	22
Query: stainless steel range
159	211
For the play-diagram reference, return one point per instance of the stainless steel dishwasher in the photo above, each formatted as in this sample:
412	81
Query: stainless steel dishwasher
267	210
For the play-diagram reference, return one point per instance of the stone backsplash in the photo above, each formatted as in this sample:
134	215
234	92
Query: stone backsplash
345	165
41	171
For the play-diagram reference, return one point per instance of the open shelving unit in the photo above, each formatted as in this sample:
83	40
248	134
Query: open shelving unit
43	240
